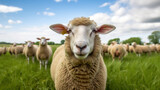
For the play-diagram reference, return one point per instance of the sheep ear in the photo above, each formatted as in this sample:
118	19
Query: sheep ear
104	29
59	28
38	38
48	39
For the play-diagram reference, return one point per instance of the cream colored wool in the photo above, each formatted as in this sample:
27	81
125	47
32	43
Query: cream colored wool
69	73
104	49
131	49
153	48
145	49
30	52
19	50
44	52
1	51
137	49
13	49
118	51
158	48
9	49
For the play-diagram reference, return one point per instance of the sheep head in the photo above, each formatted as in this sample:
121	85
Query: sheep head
29	44
43	41
82	32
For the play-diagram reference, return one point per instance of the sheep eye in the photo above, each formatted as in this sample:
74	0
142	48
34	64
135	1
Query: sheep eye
93	31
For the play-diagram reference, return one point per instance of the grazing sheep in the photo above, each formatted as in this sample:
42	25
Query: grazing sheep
137	49
110	46
145	48
118	51
10	49
1	51
30	50
126	46
153	48
158	48
104	49
78	64
131	49
13	48
4	50
44	51
19	49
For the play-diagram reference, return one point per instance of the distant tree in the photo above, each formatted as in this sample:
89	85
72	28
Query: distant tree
62	41
154	37
51	43
133	39
115	39
37	43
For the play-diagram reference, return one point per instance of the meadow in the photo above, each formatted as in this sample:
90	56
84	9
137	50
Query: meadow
132	73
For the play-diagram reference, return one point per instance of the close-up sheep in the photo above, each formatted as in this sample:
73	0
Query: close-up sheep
78	64
43	52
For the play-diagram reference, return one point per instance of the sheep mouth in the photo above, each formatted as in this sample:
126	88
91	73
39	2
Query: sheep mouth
80	54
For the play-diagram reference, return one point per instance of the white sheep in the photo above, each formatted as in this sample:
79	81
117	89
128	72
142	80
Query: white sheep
118	51
78	64
44	51
30	50
19	49
13	48
137	49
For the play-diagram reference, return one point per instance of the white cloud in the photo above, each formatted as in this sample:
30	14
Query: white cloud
5	26
47	8
1	26
72	0
49	13
104	4
57	0
10	21
8	9
30	33
131	18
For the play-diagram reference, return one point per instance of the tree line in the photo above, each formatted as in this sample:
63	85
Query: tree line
153	38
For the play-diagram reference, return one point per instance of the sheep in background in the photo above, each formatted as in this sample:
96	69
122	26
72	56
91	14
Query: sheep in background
13	48
153	48
30	50
1	51
137	49
145	48
158	48
44	51
118	51
78	64
104	49
19	49
131	49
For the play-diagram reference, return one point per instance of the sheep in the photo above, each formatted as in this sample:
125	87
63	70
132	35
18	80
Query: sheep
131	49
126	46
78	64
118	51
44	51
1	51
13	48
4	50
153	48
9	50
145	48
30	50
137	49
110	46
104	49
19	49
158	48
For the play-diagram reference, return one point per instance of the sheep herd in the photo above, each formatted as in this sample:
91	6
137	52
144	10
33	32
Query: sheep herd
78	63
121	50
42	52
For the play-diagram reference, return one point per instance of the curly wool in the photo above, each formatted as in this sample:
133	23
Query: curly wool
82	21
73	74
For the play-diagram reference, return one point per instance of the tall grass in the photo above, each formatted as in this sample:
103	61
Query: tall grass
133	73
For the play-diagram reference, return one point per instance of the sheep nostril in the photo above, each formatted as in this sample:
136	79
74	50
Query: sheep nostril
81	47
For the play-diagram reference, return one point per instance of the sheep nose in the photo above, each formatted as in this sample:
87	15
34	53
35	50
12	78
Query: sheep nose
81	47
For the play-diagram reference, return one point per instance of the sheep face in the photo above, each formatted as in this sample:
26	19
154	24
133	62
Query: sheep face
82	35
29	44
43	41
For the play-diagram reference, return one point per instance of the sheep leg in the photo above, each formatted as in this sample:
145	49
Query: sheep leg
33	59
139	55
28	59
46	62
40	62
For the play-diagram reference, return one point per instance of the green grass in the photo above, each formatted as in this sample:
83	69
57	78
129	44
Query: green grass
133	73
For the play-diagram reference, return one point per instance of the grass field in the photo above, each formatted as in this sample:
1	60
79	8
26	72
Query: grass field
133	73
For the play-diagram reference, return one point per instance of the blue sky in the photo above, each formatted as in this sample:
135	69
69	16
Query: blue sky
22	20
